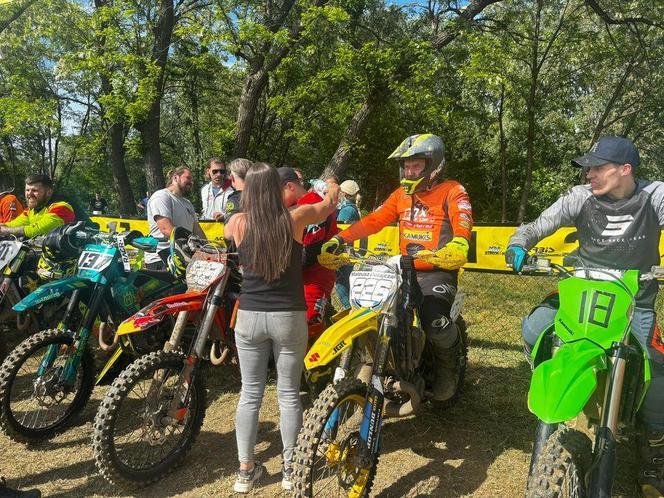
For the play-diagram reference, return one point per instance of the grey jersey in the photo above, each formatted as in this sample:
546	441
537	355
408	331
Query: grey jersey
622	234
177	209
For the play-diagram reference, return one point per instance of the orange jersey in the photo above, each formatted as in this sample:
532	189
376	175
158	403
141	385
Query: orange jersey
427	220
10	208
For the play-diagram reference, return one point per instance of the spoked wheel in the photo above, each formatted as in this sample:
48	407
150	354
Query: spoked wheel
330	459
138	437
561	467
41	389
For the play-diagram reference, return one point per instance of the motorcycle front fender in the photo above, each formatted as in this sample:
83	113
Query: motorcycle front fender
155	312
51	291
339	336
561	387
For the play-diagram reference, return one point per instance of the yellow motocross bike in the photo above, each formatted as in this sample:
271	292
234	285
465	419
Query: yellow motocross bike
384	369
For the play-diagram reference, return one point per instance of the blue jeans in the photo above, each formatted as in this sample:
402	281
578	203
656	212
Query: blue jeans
643	328
257	335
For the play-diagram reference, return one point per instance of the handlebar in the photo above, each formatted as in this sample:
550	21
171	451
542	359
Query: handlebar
535	264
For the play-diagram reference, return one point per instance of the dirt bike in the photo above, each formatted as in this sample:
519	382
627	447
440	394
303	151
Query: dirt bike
48	378
20	277
339	444
154	410
588	363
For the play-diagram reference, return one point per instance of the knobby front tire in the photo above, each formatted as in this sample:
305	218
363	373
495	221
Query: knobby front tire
561	466
35	408
131	448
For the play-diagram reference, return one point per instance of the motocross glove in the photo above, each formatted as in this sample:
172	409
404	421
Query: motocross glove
451	256
333	246
515	257
332	255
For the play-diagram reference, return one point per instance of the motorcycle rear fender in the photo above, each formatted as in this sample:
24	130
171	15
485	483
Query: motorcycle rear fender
51	291
561	387
340	336
155	312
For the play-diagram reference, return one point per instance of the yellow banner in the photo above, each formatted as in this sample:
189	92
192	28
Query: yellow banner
487	245
486	251
213	230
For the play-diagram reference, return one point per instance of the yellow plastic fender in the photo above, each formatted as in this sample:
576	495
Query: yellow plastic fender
109	364
340	336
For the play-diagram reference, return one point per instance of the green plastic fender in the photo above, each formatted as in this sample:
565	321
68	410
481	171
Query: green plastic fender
561	387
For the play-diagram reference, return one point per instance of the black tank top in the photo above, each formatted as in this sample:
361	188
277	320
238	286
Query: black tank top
284	294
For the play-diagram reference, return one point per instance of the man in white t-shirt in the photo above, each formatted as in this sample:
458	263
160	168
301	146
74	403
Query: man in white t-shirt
214	194
169	208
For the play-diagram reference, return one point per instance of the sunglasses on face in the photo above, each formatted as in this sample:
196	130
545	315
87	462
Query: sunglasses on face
218	172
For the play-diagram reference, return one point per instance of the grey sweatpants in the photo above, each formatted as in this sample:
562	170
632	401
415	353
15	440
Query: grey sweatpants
643	328
257	334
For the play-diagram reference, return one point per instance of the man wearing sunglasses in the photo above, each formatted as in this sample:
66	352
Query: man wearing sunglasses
215	193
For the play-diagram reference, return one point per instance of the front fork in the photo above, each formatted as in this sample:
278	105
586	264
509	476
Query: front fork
372	419
52	351
601	474
544	432
80	339
178	408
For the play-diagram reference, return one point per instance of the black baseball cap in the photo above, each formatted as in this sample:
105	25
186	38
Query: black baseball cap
287	174
617	150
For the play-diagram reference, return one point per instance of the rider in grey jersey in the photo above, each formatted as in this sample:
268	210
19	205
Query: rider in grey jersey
618	220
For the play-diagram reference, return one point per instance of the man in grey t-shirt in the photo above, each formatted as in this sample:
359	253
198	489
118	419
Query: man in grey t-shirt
169	208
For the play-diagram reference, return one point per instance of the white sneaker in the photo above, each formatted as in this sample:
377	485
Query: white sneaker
287	479
245	479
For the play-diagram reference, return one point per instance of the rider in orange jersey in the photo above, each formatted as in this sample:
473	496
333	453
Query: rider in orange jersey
435	222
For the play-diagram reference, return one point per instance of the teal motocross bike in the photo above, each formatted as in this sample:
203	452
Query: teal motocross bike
48	378
590	377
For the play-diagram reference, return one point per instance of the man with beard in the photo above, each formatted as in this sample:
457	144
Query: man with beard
42	214
169	208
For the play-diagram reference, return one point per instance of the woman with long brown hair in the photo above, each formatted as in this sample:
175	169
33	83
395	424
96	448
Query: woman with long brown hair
272	312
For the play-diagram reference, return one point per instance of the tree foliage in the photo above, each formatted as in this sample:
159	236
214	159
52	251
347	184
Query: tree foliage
106	95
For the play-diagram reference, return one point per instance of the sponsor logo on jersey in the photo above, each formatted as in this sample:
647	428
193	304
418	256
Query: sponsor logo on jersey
417	235
464	205
617	225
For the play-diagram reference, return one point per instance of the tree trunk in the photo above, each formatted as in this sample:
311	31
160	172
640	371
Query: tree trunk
151	128
116	139
4	24
617	93
126	203
251	94
339	161
531	111
503	156
195	126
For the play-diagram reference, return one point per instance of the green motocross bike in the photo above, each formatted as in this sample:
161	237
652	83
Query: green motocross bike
588	363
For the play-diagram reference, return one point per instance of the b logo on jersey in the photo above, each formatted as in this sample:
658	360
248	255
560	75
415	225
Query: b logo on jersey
617	225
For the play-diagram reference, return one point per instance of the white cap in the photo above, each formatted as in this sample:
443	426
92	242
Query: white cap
349	187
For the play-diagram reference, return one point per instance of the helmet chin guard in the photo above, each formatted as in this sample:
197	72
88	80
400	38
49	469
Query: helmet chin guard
425	146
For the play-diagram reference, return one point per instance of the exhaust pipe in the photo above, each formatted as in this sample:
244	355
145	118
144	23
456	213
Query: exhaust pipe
106	346
23	321
395	409
215	359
